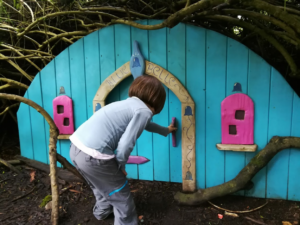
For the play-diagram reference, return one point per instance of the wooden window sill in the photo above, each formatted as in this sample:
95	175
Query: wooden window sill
63	136
237	148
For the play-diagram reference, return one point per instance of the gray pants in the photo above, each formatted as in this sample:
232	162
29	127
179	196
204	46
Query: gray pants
109	185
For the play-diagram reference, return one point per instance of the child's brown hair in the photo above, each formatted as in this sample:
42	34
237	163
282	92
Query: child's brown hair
150	90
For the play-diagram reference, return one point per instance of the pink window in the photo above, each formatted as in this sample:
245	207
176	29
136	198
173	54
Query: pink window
237	119
63	114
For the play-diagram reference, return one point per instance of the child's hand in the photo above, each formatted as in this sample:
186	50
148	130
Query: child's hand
172	128
125	173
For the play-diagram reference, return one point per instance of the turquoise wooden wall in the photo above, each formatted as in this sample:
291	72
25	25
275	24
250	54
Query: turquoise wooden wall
207	64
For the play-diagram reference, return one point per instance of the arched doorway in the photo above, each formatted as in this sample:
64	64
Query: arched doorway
187	113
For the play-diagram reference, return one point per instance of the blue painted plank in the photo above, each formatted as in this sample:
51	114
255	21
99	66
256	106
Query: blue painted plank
281	101
63	79
294	165
48	82
37	122
24	126
92	69
78	87
131	169
144	143
123	54
215	93
176	66
108	58
161	144
62	71
195	84
237	71
258	91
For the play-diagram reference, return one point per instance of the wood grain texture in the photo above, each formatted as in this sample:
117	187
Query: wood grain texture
237	148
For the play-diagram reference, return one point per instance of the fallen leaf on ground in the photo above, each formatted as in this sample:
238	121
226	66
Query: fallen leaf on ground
286	223
141	217
32	175
72	190
134	190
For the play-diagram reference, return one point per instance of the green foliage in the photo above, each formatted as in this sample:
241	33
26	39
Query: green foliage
47	199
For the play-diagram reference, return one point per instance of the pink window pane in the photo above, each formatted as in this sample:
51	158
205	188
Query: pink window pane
63	114
237	119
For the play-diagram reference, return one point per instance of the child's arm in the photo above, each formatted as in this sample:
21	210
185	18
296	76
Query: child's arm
155	128
134	129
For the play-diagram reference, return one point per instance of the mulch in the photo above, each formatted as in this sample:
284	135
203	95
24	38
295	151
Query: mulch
20	199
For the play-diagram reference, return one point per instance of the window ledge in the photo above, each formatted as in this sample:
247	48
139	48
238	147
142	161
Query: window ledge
63	136
237	148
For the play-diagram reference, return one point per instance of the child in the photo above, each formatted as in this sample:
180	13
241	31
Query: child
116	127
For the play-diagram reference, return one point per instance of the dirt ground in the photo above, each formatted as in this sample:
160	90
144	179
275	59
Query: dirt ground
21	196
154	201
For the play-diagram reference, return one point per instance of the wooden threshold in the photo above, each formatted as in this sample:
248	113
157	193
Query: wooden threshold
237	148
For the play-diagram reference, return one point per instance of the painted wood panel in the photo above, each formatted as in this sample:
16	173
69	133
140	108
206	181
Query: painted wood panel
63	79
161	145
176	66
281	101
215	93
37	122
48	84
259	90
207	64
236	72
195	84
294	165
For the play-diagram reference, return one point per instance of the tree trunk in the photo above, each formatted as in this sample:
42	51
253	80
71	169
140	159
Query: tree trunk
259	161
52	150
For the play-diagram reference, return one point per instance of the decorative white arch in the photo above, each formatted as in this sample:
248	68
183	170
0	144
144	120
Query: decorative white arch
187	113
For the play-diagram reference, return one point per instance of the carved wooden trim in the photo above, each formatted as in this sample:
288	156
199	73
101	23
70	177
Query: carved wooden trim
188	113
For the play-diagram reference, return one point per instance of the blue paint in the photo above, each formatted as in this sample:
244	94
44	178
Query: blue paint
259	91
236	77
137	62
115	191
161	145
280	111
176	65
237	86
195	84
188	111
144	143
48	84
215	93
209	72
98	106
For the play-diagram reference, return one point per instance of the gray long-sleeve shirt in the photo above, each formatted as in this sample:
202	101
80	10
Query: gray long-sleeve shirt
117	126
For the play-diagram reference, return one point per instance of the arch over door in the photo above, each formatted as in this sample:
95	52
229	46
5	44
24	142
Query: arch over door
187	113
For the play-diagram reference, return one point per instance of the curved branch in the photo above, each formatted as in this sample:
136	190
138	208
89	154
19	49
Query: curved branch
30	10
260	16
61	36
17	68
262	33
275	11
19	53
259	161
52	150
14	83
56	14
8	108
